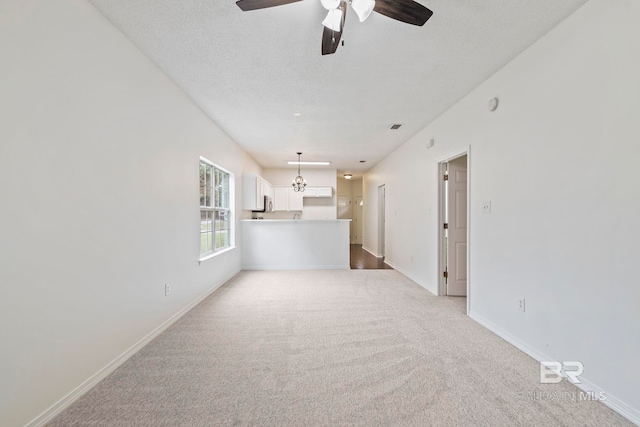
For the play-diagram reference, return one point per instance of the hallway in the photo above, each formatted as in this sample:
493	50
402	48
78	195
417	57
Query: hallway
360	259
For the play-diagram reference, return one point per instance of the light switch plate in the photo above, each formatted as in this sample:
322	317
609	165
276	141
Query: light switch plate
521	304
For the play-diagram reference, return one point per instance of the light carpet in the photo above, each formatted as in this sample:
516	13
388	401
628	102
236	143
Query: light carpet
330	348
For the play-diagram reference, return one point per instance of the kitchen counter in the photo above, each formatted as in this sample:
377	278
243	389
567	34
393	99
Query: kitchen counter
288	244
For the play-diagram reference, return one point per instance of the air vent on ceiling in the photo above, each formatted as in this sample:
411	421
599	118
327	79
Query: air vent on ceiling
395	126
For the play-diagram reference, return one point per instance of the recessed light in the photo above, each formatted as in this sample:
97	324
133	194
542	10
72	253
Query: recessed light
347	176
297	114
362	161
395	126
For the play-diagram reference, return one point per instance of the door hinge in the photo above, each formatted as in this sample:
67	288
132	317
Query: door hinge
446	274
446	226
445	177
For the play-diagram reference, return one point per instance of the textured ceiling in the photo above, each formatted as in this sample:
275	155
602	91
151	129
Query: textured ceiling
250	71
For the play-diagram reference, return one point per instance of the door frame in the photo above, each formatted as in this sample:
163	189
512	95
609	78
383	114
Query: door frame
442	287
382	197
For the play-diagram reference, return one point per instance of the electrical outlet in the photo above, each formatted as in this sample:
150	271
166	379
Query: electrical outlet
521	306
486	206
167	289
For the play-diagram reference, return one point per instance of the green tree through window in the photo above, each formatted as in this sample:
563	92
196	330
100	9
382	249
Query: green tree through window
215	209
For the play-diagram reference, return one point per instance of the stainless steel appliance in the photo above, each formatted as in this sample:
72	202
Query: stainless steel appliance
268	204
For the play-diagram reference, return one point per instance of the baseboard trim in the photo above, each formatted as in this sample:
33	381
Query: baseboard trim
372	252
83	388
395	267
617	405
399	270
612	402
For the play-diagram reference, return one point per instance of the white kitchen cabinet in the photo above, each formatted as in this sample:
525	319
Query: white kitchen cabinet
280	199
267	189
325	192
285	199
254	188
318	192
295	200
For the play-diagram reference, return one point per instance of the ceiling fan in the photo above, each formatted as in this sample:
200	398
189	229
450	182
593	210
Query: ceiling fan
407	11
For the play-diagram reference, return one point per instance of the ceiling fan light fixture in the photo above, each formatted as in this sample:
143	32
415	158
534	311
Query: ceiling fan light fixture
330	4
407	11
363	8
333	20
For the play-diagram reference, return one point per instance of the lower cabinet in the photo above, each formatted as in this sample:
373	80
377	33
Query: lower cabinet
286	199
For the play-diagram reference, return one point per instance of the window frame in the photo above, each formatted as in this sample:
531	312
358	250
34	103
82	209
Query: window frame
213	209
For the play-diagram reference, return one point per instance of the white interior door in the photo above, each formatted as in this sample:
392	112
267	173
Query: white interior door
357	224
457	227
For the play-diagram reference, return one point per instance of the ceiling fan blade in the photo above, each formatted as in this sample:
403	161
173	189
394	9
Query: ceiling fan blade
404	10
330	41
330	38
261	4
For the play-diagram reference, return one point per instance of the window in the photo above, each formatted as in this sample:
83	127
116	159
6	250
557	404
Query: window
215	211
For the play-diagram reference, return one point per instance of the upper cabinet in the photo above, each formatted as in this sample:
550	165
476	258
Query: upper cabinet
318	192
254	189
325	192
286	199
295	200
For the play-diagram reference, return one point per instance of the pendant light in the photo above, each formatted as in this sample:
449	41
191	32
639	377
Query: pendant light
299	183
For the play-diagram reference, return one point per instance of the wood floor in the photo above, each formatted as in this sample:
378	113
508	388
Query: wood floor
363	260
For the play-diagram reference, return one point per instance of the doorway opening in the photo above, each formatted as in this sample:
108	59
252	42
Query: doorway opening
361	259
454	226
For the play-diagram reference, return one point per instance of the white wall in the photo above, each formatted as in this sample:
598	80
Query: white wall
313	208
558	160
343	187
99	182
356	188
